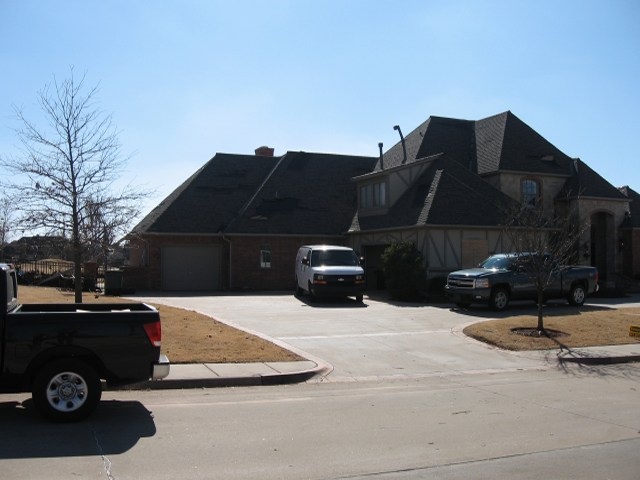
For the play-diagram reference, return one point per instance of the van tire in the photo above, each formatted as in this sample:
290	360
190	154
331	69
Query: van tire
312	297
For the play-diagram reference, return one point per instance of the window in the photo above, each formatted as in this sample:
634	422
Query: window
373	195
265	256
530	193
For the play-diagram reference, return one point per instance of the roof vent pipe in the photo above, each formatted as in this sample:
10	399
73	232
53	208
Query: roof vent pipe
381	160
404	148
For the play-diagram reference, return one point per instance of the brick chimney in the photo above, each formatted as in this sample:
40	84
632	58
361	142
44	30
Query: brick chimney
264	151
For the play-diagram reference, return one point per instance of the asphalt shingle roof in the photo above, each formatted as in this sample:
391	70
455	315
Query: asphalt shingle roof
298	193
208	201
500	142
446	193
585	182
308	193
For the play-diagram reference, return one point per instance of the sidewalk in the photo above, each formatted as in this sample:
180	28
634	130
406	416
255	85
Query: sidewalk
209	375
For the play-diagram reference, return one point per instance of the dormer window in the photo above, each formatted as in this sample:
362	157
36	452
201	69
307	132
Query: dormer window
373	195
531	197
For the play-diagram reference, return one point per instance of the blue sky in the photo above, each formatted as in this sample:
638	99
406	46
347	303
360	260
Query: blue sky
186	79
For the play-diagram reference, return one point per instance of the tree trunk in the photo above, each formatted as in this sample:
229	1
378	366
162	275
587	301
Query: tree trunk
540	305
77	270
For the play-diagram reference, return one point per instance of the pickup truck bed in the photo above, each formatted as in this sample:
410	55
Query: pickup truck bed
60	352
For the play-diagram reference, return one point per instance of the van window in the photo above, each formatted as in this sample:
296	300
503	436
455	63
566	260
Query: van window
334	258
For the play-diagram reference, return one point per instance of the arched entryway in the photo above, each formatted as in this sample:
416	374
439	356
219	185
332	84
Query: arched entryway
603	240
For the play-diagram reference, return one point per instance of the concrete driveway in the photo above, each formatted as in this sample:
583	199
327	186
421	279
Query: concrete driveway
377	339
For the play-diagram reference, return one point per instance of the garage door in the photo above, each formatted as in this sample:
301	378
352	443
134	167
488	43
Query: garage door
194	268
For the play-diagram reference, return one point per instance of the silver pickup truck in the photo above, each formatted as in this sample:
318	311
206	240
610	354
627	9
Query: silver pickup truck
502	277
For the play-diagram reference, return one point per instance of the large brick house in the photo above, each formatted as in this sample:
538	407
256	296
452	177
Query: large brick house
239	220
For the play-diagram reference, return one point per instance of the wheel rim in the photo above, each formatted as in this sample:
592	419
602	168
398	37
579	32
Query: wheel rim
578	295
500	300
67	392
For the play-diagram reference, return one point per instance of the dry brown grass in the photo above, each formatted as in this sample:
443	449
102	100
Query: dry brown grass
187	336
190	337
586	327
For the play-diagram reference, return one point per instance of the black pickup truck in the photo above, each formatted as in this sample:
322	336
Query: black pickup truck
62	352
503	277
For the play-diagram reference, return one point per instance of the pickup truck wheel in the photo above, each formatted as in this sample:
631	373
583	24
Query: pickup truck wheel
66	390
577	296
499	299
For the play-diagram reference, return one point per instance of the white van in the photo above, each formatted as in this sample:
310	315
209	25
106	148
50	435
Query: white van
329	270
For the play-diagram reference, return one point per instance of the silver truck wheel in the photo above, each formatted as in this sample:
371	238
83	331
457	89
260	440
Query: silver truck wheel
577	296
499	299
66	390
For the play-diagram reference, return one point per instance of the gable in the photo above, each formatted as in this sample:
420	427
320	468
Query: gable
446	193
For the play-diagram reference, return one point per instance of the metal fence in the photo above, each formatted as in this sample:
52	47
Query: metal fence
59	274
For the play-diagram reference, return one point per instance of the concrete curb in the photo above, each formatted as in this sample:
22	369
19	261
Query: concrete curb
585	360
321	369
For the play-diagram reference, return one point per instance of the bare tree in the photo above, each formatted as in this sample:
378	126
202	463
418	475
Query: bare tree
6	225
66	171
543	244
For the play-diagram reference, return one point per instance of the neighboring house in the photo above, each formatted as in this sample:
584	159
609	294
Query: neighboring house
238	221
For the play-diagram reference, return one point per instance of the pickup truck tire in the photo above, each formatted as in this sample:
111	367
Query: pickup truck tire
66	390
499	299
577	295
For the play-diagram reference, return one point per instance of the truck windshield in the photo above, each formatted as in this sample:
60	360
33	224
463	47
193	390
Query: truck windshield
334	258
496	263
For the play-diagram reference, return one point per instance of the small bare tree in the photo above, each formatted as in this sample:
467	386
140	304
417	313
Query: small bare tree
543	245
5	223
66	171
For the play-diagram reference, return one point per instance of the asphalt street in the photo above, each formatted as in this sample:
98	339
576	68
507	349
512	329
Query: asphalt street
405	396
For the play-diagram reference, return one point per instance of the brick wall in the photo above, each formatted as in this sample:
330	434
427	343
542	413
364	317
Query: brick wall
145	271
247	272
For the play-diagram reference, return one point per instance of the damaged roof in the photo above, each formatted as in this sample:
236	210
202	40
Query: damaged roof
208	200
308	193
297	193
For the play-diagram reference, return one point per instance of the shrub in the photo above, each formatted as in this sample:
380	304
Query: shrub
404	271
